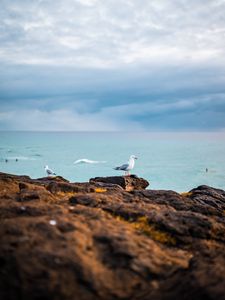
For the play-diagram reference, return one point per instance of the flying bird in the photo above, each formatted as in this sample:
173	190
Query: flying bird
128	166
49	171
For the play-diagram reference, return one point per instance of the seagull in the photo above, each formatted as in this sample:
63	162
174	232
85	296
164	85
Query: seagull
49	171
127	167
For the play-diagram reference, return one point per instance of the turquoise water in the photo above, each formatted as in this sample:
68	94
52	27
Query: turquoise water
168	161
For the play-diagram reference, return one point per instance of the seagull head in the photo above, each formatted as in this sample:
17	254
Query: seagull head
46	167
133	157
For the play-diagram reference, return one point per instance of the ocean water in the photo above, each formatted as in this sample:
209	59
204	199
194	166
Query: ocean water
176	161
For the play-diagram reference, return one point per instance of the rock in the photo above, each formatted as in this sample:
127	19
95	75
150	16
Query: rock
52	179
97	241
128	183
64	187
83	200
210	198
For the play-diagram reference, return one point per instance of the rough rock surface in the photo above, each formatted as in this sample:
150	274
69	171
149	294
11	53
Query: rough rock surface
128	183
69	241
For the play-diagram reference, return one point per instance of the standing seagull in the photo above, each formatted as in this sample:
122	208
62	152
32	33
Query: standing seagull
129	166
49	171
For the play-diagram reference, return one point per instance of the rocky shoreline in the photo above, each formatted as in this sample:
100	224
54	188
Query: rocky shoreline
109	238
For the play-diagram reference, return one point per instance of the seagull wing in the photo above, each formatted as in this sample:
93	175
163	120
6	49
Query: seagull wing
122	168
50	172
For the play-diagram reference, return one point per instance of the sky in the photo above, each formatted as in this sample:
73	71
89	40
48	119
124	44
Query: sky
112	65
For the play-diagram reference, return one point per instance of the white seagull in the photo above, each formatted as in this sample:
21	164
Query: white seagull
127	167
49	171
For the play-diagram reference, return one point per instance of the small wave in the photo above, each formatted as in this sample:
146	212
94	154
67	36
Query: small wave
20	158
37	154
88	161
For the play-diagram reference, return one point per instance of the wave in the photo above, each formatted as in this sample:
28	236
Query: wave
88	161
20	158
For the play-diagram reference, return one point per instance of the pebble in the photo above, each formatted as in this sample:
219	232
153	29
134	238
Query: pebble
52	222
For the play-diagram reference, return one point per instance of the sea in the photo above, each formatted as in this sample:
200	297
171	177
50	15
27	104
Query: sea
169	161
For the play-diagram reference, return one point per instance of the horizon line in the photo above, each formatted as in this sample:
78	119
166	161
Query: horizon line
116	131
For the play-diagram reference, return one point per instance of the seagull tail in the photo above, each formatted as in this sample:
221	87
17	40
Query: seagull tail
116	168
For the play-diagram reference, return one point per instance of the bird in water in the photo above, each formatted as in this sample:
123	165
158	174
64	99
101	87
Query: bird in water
49	172
128	166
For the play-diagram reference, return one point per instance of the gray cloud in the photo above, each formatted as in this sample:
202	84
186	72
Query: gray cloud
203	113
122	63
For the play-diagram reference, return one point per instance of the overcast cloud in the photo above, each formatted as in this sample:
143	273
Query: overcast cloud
112	65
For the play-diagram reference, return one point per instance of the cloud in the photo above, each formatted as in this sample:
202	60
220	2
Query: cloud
64	120
106	34
203	113
126	99
117	65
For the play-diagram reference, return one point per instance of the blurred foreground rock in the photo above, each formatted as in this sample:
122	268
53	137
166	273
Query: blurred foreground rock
69	241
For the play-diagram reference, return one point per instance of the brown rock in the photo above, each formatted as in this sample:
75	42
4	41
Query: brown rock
62	240
64	187
128	183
